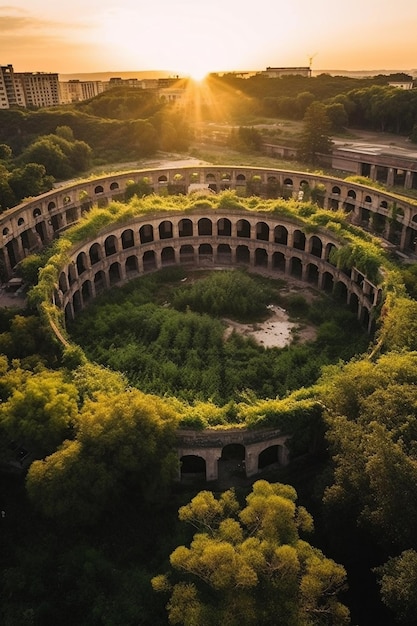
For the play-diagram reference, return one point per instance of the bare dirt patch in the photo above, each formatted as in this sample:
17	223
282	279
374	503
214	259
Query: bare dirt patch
277	331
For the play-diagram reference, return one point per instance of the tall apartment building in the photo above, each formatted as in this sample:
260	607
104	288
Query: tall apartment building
40	89
11	90
79	90
27	89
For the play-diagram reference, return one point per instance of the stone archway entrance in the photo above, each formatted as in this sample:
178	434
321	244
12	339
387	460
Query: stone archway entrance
231	464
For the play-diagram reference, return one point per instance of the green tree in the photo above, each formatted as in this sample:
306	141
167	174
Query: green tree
398	581
315	137
124	444
40	411
249	565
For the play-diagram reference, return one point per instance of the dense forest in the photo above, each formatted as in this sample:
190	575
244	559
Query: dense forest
95	527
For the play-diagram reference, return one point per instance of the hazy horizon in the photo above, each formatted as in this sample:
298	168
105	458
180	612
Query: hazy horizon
192	38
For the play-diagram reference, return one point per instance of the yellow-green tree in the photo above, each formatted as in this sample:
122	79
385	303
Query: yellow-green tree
248	566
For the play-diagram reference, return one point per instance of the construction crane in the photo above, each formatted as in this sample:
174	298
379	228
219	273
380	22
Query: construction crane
310	60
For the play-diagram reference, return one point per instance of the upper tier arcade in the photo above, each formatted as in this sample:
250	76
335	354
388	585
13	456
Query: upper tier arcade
33	224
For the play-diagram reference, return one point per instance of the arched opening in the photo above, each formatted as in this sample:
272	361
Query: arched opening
262	231
224	253
281	235
165	230
114	273
100	281
269	456
187	254
232	461
278	261
299	240
192	467
243	228
168	256
81	263
205	227
132	265
149	261
312	274
205	252
128	239
224	227
185	228
110	245
242	254
95	254
296	268
316	246
146	233
261	257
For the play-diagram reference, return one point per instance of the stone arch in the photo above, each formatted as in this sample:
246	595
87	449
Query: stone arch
81	263
77	304
146	233
192	466
100	281
95	253
351	194
162	179
110	245
281	235
368	199
243	254
128	238
132	265
185	228
279	261
224	227
20	221
168	256
63	282
269	456
205	227
149	260
262	231
336	190
296	267
354	303
205	251
98	190
328	282
114	273
312	274
86	291
72	273
224	253
37	212
261	257
114	185
243	228
187	254
233	451
340	291
329	248
316	246
299	240
165	230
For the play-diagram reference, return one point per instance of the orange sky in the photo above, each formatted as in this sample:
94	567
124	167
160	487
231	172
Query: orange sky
191	37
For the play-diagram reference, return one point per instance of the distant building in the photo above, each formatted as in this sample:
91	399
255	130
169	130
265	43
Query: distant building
79	90
40	89
278	72
11	90
409	84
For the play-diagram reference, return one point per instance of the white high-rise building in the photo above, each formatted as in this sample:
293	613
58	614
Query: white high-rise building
11	90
